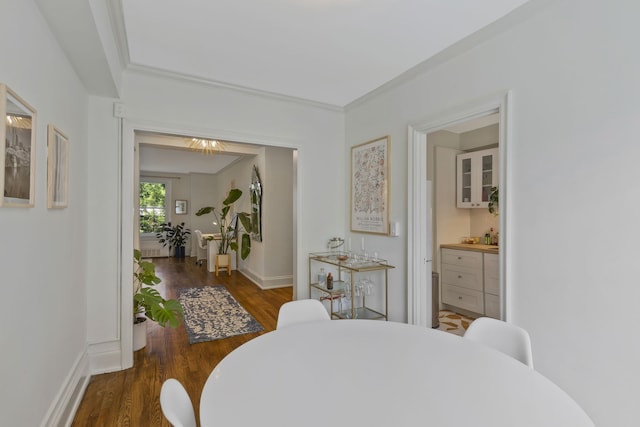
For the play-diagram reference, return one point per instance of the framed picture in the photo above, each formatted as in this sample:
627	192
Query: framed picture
181	207
17	150
370	187
57	168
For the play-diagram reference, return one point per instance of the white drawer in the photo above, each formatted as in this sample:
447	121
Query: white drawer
470	278
492	306
491	274
468	259
463	298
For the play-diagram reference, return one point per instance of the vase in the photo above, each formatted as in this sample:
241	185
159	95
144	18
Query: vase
178	252
139	333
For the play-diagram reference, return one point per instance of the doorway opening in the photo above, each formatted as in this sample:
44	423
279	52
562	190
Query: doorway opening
433	146
129	176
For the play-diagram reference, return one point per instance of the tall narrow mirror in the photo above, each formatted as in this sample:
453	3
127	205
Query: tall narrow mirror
256	205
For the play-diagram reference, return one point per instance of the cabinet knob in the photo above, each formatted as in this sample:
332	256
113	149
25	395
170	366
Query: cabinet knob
459	257
459	276
459	297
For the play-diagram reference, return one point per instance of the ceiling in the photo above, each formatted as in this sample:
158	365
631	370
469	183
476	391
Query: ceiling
325	51
161	153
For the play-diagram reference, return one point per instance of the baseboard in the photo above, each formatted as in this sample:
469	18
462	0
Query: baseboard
65	405
105	357
265	283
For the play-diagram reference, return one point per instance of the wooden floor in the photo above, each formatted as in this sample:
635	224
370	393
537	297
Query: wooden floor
131	397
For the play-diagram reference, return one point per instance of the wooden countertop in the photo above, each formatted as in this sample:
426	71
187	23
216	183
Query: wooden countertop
475	247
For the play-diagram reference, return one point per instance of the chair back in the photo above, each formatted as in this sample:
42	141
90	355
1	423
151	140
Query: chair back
198	234
300	311
502	336
176	404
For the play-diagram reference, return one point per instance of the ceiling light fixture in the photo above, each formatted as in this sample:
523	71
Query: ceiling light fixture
206	146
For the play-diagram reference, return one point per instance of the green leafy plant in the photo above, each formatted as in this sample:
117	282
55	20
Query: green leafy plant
228	230
173	235
493	201
147	300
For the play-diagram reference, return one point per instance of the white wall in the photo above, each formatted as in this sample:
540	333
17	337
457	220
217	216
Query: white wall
160	104
43	252
573	70
277	177
273	267
203	193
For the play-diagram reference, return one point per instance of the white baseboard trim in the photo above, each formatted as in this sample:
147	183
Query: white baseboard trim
64	406
265	283
105	357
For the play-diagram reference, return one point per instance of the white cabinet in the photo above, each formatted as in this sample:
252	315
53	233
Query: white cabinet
491	285
471	281
462	279
477	172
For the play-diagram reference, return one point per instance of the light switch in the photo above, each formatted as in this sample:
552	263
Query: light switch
394	229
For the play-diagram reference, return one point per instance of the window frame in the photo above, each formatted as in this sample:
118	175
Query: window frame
167	201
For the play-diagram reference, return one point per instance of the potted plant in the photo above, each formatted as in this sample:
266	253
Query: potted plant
175	236
493	201
148	303
229	227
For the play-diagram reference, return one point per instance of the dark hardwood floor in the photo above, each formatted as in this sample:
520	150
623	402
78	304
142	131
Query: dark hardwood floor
131	397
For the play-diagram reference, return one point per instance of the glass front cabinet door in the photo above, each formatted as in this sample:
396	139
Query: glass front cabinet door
477	172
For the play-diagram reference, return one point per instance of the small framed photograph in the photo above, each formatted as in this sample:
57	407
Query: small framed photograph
57	168
181	207
370	187
17	150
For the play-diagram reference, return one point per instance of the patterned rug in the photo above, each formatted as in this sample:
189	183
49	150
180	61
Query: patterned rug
211	313
453	322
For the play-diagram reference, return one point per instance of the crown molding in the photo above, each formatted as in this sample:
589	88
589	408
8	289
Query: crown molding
510	20
159	72
119	30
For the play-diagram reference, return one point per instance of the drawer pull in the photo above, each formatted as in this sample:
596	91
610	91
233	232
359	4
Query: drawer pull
459	276
459	297
459	257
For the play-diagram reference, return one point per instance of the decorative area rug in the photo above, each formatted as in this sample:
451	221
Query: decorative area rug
211	313
453	322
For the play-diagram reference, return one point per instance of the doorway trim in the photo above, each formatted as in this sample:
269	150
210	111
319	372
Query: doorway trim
419	222
128	178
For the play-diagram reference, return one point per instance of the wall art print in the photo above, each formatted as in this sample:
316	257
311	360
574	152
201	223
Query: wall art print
370	187
17	150
57	168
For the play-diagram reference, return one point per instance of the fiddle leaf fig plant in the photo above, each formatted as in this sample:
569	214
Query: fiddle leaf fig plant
147	300
228	228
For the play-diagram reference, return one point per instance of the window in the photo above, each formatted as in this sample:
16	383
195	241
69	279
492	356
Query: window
153	206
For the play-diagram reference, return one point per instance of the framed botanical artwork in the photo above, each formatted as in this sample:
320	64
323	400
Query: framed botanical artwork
57	168
181	207
370	187
17	150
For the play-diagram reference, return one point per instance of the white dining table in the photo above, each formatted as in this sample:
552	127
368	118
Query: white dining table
376	373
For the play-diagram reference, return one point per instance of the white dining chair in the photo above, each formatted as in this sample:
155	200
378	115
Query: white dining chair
502	336
201	249
300	311
176	404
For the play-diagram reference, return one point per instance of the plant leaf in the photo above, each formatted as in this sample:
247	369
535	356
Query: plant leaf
234	194
205	210
246	246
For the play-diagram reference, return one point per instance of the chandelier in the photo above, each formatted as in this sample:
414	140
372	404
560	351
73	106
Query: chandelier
206	146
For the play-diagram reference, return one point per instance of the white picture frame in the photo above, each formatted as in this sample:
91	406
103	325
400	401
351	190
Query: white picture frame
57	168
17	150
370	187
